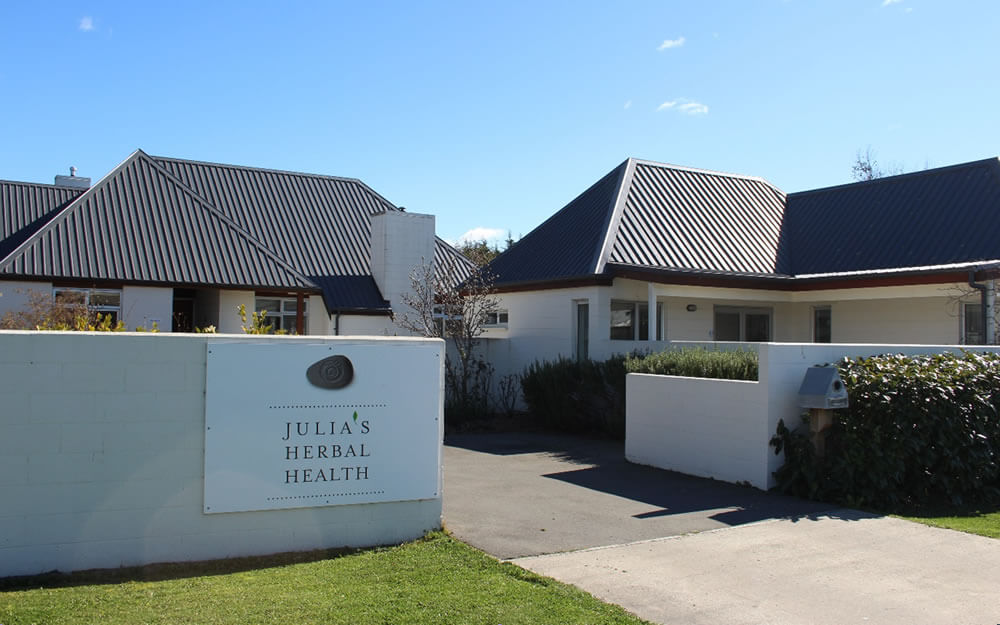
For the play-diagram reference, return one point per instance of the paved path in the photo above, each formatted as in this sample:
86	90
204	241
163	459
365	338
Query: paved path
676	549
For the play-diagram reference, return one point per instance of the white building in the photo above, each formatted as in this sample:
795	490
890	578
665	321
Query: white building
653	253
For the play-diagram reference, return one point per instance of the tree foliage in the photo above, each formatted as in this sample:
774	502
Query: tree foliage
919	430
442	306
867	167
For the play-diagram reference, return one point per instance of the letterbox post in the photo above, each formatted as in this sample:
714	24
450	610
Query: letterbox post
822	392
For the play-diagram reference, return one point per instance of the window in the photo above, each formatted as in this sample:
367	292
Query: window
822	324
582	324
630	321
972	327
281	312
102	301
742	324
496	319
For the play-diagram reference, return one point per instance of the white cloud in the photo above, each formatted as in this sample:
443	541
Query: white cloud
628	104
671	43
688	107
481	233
87	23
886	3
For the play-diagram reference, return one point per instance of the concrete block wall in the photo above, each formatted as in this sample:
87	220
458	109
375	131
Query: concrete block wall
102	456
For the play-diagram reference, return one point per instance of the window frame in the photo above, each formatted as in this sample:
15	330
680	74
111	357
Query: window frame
283	313
743	311
978	307
815	311
637	308
500	319
88	294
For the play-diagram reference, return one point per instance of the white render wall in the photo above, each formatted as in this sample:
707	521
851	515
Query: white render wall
401	243
14	296
722	428
102	456
229	315
143	306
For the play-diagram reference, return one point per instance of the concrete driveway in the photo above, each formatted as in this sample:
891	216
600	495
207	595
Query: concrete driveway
677	549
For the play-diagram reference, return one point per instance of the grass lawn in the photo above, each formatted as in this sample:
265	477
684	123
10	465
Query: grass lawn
974	521
434	580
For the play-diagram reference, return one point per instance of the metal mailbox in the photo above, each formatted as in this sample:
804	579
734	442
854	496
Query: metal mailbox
822	388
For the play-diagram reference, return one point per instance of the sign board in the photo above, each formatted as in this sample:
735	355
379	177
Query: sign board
292	425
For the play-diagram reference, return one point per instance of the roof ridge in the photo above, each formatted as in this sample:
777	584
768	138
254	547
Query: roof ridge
897	177
65	211
43	184
615	217
250	167
284	172
711	172
137	155
218	214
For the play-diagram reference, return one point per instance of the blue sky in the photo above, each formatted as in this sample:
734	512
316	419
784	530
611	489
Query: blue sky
495	115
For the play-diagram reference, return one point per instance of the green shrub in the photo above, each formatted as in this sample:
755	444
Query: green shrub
919	430
581	397
698	362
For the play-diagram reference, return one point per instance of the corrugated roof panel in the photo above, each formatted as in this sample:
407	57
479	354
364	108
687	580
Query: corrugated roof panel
141	204
26	207
933	217
694	219
319	224
567	243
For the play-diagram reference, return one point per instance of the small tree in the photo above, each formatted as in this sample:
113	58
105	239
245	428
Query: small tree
69	313
441	305
866	167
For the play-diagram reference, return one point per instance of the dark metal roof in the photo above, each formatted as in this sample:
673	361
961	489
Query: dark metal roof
163	220
25	207
320	225
926	218
139	224
695	219
673	221
569	243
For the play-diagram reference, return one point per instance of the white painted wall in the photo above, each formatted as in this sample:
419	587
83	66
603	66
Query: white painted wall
708	428
101	460
142	305
369	325
14	295
934	320
722	428
229	303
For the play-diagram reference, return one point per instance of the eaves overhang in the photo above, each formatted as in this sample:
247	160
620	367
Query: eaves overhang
902	276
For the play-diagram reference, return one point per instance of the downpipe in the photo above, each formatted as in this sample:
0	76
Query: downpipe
987	294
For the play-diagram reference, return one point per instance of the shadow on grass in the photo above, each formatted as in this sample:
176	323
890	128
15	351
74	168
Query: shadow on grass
170	570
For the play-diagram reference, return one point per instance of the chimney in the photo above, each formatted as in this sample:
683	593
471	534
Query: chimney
72	180
401	243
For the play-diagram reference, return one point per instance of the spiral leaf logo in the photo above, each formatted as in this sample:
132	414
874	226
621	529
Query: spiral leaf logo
332	373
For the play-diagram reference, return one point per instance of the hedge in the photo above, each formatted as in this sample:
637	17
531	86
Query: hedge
919	430
698	362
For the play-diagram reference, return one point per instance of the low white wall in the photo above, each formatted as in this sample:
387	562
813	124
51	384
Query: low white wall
722	428
101	460
711	428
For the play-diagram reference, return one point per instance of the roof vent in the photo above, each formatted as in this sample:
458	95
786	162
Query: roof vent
72	180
